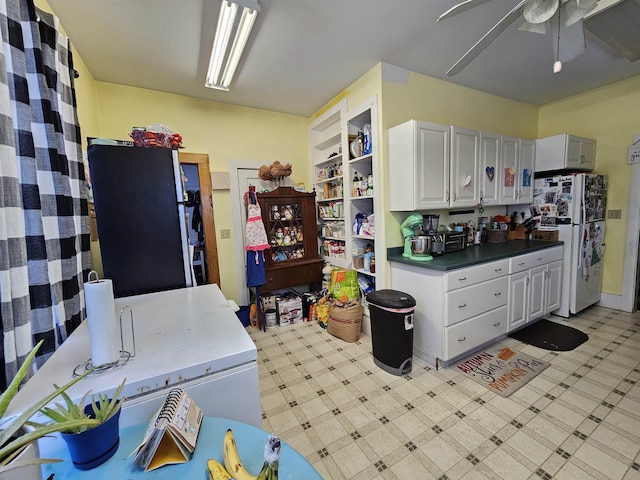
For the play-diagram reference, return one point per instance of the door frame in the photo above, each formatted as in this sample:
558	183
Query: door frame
630	276
237	211
201	160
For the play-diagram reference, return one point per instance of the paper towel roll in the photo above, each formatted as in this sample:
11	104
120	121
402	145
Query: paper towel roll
103	327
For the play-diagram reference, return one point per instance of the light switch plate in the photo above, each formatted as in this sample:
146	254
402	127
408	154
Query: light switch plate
225	233
614	214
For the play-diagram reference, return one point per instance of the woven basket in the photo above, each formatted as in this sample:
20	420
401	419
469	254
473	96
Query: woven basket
497	236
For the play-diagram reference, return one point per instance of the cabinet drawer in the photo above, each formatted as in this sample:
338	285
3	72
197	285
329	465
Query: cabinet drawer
534	259
465	277
471	301
467	335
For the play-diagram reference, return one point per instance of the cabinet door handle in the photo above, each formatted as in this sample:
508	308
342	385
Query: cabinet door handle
497	269
539	258
521	263
497	324
462	306
497	294
455	196
462	339
462	279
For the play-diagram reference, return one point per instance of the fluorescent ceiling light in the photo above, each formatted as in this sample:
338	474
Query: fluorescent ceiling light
224	60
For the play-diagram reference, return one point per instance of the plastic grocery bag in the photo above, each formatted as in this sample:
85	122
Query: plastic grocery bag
344	285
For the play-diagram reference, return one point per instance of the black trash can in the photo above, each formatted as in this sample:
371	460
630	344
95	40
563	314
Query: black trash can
391	315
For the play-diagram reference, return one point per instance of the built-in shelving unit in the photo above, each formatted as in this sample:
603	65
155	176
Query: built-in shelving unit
326	139
344	152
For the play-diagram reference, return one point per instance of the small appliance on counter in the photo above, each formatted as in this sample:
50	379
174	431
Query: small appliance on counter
417	245
454	241
431	222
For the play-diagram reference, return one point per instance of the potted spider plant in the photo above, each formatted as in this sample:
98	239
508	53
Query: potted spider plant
16	432
90	443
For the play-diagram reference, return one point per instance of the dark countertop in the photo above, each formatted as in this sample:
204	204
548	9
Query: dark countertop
487	252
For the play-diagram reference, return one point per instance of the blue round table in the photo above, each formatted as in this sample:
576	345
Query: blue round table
251	441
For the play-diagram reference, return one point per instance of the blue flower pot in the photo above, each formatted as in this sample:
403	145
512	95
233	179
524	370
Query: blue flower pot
93	447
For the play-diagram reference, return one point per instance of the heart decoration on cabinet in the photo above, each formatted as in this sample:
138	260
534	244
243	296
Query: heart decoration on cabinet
491	172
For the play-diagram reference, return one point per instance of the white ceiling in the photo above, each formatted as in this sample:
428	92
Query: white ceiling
304	52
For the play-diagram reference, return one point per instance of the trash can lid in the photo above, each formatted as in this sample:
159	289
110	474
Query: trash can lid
391	299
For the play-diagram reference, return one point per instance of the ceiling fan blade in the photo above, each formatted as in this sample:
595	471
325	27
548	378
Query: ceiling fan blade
461	7
540	28
539	11
488	38
573	11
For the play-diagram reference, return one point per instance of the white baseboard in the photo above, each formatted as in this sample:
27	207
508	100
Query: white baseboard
611	301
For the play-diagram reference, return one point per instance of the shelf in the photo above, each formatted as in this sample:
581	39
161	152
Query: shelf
334	159
334	139
327	180
364	272
330	219
327	123
334	199
366	197
363	237
337	261
334	238
362	159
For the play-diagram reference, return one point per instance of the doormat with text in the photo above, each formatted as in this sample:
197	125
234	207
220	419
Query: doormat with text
501	369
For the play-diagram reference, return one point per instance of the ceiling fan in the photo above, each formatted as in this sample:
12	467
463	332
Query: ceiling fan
563	17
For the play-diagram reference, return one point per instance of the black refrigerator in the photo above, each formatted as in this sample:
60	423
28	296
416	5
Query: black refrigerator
140	214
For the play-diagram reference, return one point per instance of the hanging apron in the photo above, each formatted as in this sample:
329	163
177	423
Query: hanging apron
255	242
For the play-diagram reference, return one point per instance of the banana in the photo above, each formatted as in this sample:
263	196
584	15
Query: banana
217	470
232	459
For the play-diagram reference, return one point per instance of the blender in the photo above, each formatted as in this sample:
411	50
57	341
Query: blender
416	247
431	222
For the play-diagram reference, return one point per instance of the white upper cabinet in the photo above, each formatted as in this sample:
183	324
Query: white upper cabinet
489	168
465	161
565	151
510	158
434	166
527	169
516	171
418	166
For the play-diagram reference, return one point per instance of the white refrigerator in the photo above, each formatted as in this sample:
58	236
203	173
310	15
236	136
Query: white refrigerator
575	204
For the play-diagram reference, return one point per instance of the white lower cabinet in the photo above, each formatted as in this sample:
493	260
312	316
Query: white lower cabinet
534	291
460	310
465	336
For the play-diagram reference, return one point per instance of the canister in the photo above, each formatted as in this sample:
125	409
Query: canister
271	317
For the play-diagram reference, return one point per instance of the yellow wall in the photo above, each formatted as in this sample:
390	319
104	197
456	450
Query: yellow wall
610	115
224	132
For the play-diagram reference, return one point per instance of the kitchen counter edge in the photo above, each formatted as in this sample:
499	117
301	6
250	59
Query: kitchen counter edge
487	252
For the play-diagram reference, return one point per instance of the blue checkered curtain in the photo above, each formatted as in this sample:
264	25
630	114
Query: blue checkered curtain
44	223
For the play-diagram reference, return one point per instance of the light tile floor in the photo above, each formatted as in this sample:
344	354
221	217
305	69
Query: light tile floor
579	419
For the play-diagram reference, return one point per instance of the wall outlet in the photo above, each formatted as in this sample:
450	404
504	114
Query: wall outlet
225	233
614	214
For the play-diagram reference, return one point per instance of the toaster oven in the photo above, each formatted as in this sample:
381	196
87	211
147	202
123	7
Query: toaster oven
454	241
